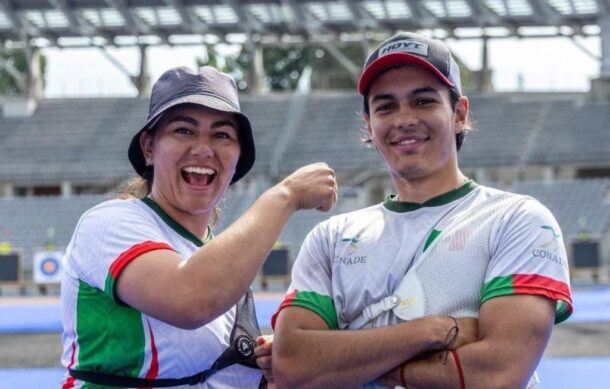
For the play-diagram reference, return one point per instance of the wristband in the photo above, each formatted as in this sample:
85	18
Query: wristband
459	368
450	339
452	334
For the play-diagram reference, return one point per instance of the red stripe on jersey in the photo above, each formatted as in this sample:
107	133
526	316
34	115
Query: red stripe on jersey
70	381
132	253
69	384
286	303
153	370
541	285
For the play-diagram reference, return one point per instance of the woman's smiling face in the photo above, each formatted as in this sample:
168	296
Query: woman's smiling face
194	152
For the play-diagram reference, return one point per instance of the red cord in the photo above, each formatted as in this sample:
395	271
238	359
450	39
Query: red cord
459	368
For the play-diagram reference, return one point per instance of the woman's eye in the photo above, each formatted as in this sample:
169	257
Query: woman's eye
226	131
224	135
182	130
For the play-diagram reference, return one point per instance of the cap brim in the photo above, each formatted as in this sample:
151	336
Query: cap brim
393	60
247	153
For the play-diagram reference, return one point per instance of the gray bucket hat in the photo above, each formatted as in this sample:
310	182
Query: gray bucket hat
207	87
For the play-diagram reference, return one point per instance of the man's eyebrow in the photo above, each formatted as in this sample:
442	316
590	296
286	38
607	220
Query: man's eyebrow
383	96
415	92
426	89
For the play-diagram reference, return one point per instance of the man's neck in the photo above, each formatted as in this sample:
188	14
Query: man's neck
420	190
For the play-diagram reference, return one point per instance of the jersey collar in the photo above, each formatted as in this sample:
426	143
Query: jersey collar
174	225
392	204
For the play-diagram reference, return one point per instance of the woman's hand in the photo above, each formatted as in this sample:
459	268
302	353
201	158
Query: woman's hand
263	355
312	187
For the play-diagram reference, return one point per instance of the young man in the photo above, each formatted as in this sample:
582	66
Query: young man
395	275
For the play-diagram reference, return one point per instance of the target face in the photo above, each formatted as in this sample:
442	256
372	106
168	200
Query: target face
47	267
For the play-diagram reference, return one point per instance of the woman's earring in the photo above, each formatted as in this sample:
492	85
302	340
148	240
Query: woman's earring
148	163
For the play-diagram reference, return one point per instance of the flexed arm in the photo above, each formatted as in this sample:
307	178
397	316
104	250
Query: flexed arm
191	293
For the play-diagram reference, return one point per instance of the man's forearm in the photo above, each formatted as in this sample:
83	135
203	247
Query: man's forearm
428	370
320	358
482	367
514	331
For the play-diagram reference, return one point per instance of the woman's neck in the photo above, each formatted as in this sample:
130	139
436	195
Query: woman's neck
197	224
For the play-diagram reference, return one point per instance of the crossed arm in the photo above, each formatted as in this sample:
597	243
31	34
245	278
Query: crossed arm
307	354
513	332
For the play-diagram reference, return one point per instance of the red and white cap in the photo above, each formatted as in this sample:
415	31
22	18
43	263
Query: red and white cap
406	48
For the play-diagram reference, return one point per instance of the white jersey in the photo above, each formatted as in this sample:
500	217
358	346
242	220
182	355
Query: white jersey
354	260
104	335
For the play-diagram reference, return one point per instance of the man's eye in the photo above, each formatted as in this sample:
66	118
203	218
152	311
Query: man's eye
424	101
385	107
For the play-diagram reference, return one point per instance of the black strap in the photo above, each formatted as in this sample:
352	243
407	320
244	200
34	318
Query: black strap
240	350
94	377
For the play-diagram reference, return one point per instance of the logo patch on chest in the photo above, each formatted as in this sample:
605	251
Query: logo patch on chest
458	240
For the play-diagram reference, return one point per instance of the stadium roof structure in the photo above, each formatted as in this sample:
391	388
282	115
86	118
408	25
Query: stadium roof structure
118	22
37	24
152	22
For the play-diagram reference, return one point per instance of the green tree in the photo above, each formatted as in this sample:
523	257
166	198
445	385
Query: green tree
283	66
212	59
17	59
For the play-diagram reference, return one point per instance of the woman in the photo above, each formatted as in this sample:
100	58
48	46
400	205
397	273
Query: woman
149	294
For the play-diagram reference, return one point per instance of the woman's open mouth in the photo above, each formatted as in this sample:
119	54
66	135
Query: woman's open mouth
198	176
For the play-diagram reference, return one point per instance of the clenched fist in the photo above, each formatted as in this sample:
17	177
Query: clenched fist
312	187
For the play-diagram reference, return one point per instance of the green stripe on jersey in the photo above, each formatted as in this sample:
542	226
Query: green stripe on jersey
322	305
174	225
433	235
111	337
394	204
109	287
499	286
563	310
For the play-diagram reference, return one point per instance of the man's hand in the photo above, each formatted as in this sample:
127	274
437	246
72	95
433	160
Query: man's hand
468	332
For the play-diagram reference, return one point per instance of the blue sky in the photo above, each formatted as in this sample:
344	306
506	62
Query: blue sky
551	64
